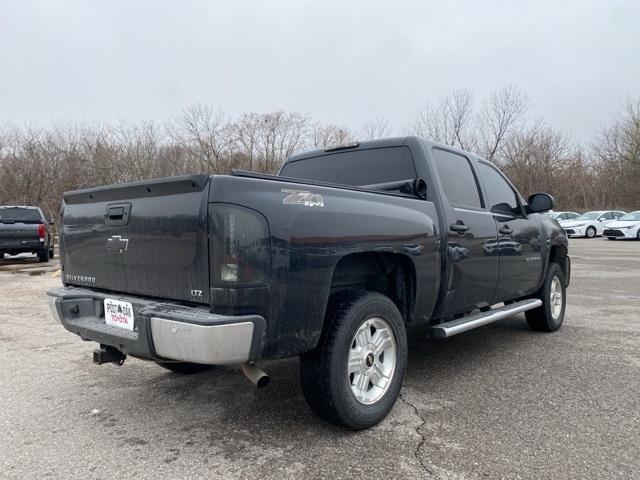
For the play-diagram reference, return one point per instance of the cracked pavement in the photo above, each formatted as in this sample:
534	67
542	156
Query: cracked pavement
496	402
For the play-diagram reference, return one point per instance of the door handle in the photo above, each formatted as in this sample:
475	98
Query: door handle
458	227
505	230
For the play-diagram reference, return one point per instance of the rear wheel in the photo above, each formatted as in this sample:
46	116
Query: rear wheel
549	317
43	256
590	232
354	376
1	255
638	234
51	253
185	368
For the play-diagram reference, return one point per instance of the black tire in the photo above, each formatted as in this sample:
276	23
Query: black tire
590	232
324	372
1	255
638	235
542	319
185	368
51	253
611	238
43	256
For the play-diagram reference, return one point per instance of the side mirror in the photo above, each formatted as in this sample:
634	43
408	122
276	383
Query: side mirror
52	222
420	188
540	202
601	219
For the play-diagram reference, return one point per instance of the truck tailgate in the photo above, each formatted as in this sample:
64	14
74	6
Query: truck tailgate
18	231
145	238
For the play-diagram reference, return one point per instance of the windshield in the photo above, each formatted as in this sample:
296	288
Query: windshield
631	217
588	216
17	214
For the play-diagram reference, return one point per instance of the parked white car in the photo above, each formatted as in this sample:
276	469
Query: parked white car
627	226
590	224
563	215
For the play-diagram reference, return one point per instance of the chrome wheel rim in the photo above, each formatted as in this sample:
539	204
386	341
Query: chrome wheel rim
591	232
556	298
372	360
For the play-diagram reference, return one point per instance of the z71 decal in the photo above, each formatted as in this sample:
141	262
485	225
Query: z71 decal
300	197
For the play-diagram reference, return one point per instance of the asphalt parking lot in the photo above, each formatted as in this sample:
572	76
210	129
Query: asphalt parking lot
498	402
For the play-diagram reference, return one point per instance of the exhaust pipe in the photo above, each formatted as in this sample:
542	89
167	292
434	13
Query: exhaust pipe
255	375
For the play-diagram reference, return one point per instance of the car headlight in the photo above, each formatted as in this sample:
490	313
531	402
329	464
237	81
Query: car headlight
241	254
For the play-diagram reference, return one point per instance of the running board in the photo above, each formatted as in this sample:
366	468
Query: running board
459	325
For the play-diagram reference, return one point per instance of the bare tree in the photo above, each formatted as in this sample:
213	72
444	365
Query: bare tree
323	136
267	139
378	128
205	134
618	152
502	114
450	121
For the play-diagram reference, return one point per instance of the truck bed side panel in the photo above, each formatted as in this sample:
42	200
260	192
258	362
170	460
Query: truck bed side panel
308	241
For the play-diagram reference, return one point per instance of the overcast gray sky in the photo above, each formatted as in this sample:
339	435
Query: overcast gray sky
339	61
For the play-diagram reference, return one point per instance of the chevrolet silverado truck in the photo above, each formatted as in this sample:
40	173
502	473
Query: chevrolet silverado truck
332	260
25	230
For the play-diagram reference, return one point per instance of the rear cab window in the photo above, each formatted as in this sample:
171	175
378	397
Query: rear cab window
355	168
19	214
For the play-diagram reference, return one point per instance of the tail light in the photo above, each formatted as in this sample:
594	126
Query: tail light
42	232
241	246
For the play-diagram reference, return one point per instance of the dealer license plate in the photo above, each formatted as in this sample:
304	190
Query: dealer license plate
118	313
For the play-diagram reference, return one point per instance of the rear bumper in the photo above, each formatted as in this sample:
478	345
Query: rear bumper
162	331
21	246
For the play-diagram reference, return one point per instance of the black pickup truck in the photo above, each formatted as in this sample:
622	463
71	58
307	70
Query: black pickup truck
332	260
25	230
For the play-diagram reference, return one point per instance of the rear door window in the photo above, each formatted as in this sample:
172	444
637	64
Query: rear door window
457	178
356	167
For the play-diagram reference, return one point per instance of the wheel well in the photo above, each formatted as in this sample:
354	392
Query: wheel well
391	274
558	255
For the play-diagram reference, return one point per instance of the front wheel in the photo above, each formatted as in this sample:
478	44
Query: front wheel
590	232
354	376
549	317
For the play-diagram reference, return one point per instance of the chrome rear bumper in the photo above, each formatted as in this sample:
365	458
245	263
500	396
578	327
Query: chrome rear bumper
162	331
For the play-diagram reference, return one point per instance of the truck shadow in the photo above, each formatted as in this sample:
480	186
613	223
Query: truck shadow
223	400
18	260
28	265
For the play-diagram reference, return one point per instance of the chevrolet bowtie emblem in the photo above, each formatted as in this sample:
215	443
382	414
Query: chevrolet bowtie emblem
117	244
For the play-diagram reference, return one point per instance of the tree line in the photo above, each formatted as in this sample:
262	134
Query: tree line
39	163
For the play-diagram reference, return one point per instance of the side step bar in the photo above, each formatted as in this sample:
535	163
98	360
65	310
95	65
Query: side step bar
459	325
